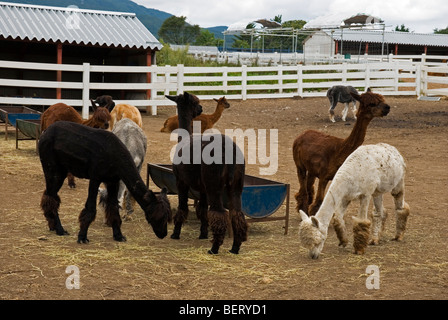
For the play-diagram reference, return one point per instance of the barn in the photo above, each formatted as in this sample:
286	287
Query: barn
375	42
31	33
366	34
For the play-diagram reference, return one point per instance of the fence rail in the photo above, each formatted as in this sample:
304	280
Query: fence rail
388	78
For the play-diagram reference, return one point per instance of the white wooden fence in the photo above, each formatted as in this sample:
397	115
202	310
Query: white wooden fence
388	78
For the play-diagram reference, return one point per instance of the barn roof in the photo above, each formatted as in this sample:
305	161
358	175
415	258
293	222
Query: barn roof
74	26
391	37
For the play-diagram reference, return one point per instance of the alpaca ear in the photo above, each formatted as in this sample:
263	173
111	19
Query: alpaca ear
172	98
216	99
368	90
303	215
164	191
94	106
315	222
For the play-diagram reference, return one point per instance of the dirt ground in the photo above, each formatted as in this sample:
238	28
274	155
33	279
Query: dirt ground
271	265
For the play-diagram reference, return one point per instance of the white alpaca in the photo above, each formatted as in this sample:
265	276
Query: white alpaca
370	171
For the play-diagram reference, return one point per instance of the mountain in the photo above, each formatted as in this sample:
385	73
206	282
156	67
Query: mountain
151	18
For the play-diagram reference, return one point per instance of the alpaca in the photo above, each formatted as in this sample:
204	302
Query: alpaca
318	155
210	180
207	120
370	171
121	111
62	112
135	140
341	94
100	156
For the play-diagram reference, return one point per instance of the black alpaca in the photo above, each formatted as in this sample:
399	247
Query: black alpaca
100	156
211	180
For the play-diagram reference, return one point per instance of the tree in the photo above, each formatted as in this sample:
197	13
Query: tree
206	38
402	28
175	30
441	31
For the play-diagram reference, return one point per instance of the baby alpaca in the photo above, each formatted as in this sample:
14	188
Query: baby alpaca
370	171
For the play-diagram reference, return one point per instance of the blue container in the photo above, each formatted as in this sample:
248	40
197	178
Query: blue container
260	198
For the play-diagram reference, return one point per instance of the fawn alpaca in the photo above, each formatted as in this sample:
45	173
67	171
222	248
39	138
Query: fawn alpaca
207	120
370	171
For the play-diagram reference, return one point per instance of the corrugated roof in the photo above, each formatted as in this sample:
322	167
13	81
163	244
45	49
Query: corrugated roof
74	26
392	37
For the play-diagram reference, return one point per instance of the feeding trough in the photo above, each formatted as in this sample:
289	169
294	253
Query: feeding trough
9	116
260	199
29	128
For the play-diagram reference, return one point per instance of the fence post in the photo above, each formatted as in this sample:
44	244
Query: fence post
300	80
280	78
367	80
224	78
344	73
418	79
180	79
244	82
85	89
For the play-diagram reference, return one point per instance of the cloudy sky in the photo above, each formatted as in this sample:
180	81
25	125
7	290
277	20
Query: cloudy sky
417	15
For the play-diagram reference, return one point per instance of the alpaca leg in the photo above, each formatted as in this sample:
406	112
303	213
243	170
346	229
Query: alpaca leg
354	110
319	197
201	213
182	210
302	196
50	202
402	211
218	221
71	180
339	227
331	110
88	214
379	216
239	228
237	219
345	112
113	213
361	227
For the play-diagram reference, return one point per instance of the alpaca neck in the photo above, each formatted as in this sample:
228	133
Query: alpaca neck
88	122
356	137
214	117
332	203
134	183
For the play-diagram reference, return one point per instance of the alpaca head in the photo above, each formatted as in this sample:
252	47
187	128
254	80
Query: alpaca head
103	101
101	112
371	104
311	235
188	106
158	212
222	102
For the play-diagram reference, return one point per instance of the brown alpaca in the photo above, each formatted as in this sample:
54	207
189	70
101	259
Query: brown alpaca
62	112
121	111
207	120
318	155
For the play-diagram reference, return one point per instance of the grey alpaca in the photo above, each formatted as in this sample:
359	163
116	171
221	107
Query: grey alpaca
135	141
341	94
